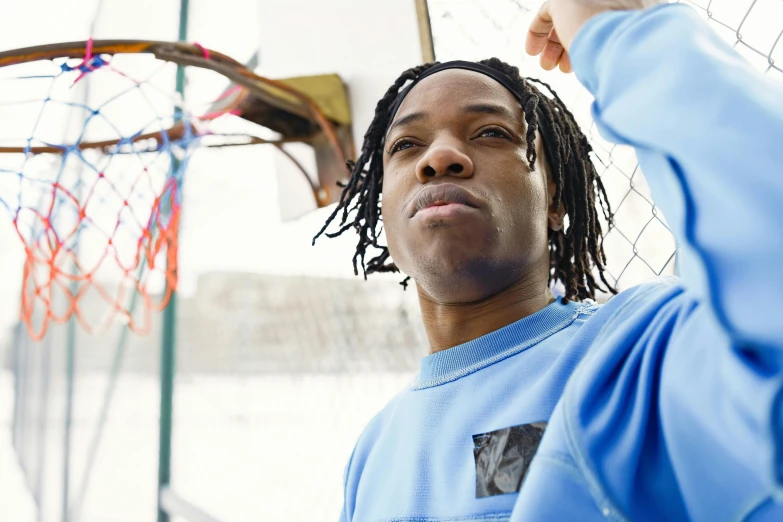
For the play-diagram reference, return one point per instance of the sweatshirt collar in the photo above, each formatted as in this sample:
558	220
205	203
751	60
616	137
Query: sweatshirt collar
466	358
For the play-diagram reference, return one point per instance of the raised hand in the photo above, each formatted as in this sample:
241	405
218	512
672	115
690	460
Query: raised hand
557	22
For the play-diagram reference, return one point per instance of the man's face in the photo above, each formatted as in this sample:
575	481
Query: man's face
464	215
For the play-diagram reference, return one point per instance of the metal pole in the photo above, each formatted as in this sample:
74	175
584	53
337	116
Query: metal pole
425	31
166	403
167	356
69	369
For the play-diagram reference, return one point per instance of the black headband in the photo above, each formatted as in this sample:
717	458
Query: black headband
486	70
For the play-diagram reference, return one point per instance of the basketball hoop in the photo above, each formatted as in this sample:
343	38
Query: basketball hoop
103	201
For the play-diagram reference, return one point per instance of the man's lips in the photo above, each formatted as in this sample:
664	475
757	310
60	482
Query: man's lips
443	197
449	210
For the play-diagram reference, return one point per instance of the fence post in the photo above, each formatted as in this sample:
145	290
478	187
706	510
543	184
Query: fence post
168	352
70	374
167	360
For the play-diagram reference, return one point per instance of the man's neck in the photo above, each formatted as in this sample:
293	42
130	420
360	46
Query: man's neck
451	324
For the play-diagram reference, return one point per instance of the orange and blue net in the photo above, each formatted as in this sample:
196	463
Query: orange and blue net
91	176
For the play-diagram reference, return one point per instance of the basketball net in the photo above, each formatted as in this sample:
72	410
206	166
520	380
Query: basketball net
93	183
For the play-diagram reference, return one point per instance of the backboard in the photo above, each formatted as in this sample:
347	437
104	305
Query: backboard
333	37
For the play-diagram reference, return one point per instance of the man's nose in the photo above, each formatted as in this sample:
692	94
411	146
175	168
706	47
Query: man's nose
444	160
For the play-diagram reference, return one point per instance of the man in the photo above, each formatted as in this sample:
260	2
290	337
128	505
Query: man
663	404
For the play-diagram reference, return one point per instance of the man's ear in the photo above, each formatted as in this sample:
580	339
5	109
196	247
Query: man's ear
554	216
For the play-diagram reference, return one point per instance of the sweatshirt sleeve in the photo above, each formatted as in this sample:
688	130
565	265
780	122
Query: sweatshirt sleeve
708	131
680	406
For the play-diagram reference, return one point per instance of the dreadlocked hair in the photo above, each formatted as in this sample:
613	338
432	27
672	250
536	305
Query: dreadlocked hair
572	252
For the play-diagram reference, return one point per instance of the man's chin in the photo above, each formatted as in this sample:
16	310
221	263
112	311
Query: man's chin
459	259
455	278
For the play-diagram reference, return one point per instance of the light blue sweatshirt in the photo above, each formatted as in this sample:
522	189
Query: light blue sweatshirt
666	402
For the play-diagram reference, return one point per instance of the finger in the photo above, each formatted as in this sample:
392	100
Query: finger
552	53
539	31
565	63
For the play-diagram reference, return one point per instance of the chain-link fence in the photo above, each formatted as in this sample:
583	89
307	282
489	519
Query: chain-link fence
640	246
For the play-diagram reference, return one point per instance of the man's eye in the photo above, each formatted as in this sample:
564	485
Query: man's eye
493	132
401	145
